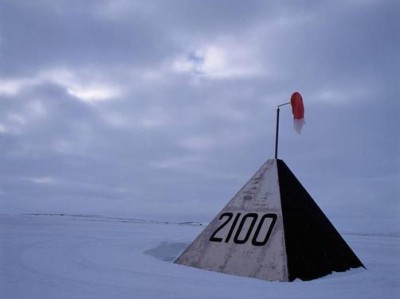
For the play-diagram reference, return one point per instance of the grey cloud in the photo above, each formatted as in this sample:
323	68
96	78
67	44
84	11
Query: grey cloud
36	38
178	142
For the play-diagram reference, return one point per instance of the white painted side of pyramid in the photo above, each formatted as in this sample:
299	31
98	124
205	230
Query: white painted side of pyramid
247	237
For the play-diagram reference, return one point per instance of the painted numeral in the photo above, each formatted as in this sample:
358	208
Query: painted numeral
229	216
248	221
228	237
237	239
255	241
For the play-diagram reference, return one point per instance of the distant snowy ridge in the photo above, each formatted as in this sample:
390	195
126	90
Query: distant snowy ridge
100	218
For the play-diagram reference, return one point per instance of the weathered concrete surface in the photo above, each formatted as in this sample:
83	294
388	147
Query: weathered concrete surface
247	237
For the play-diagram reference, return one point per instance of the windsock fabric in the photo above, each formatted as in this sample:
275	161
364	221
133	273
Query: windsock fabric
297	105
298	111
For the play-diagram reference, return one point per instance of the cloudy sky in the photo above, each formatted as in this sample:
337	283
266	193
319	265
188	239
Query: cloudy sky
164	109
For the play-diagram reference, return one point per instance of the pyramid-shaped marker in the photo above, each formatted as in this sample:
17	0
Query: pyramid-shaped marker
273	230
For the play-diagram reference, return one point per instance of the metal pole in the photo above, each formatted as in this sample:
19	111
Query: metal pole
277	129
277	133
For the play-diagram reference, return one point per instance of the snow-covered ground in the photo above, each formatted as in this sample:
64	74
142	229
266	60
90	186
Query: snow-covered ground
54	256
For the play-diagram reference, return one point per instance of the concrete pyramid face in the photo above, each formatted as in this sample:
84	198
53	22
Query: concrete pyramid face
271	230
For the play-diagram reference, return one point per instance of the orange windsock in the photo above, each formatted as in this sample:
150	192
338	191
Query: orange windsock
297	105
298	111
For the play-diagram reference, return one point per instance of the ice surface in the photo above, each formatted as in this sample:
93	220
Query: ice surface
44	256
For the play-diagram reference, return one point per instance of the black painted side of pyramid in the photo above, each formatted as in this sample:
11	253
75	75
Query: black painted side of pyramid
314	248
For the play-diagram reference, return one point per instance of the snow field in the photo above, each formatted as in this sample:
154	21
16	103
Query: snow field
44	256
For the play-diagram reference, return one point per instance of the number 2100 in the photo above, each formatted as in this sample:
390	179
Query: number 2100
242	237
